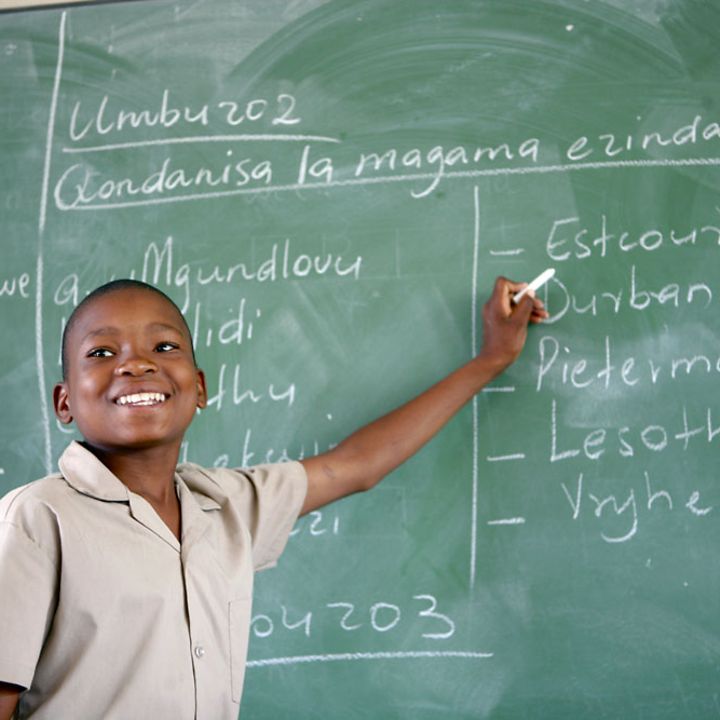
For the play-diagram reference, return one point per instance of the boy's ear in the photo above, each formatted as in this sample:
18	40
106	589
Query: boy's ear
61	402
201	389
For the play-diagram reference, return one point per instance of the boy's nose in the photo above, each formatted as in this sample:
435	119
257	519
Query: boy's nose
136	365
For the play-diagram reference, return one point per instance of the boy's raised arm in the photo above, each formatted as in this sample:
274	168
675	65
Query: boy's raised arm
365	457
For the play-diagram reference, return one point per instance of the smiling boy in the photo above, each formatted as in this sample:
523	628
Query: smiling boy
125	579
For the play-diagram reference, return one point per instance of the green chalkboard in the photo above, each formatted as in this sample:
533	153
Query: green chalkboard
329	189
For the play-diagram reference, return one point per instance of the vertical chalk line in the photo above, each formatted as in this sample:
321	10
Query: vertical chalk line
39	268
474	349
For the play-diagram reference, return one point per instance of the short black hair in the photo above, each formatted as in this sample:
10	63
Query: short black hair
107	288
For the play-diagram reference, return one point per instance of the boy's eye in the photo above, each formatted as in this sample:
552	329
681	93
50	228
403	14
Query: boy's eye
166	346
100	353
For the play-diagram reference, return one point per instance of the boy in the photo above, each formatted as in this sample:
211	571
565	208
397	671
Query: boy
125	580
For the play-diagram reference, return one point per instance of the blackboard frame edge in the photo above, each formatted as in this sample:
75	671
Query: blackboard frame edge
40	6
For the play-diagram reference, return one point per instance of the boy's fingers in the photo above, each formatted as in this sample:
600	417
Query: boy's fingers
529	309
504	291
538	317
539	312
524	309
510	285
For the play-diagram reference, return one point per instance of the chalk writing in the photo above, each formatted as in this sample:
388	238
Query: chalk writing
254	110
622	513
505	458
81	185
275	262
638	295
558	365
317	524
507	521
231	389
614	144
101	120
324	171
369	656
569	239
85	187
15	286
439	158
250	452
381	617
627	441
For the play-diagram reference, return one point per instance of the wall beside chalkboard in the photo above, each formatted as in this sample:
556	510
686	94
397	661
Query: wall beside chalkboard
328	190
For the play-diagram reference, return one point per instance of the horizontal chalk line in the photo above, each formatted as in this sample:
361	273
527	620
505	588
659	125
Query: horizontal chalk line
352	657
508	521
200	138
517	251
692	162
503	389
503	458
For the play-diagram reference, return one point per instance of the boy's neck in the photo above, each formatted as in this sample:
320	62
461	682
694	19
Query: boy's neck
149	472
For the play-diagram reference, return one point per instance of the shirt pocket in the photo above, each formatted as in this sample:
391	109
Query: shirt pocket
239	628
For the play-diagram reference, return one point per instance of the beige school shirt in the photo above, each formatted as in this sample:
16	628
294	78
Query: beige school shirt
104	615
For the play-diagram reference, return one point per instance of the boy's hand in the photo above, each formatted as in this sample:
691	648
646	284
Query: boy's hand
505	324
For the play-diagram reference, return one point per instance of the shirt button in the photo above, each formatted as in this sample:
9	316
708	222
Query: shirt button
199	651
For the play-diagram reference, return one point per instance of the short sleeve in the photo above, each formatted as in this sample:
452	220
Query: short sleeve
280	490
265	499
27	596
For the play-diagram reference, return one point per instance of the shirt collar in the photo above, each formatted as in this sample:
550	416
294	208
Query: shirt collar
86	474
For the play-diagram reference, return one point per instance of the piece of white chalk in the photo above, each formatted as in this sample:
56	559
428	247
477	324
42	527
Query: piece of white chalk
537	283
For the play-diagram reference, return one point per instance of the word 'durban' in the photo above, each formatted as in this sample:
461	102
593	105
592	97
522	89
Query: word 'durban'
638	295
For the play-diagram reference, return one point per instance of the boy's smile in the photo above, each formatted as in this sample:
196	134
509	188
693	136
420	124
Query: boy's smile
143	399
131	380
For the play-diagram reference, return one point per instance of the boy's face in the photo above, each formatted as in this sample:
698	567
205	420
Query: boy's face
131	382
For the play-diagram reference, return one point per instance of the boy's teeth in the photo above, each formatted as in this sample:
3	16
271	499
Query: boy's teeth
144	398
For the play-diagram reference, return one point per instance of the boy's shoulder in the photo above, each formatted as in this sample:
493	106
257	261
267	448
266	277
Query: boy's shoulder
30	513
45	492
